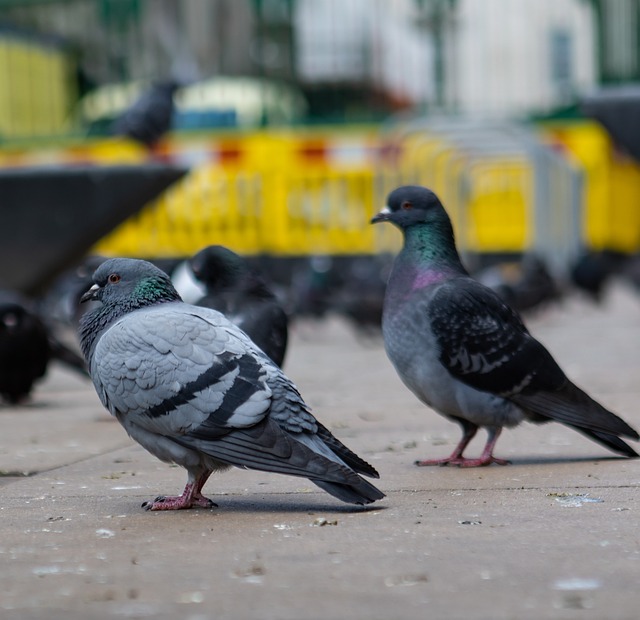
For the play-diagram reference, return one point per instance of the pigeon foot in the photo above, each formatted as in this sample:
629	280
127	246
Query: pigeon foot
460	461
178	502
482	462
189	498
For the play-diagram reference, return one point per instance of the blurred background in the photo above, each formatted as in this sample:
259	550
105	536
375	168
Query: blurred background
154	128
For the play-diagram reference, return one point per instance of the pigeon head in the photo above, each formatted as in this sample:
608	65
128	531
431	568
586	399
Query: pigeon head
218	267
11	316
427	229
410	205
131	283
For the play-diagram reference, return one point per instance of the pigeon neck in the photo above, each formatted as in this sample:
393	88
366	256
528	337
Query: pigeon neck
432	245
94	322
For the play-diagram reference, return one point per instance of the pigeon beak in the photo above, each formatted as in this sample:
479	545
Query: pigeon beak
91	294
383	216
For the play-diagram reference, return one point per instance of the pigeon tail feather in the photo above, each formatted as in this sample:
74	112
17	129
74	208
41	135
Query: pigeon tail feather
347	456
573	407
612	442
266	447
362	493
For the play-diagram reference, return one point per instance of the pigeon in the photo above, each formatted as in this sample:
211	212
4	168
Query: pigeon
524	286
592	270
193	389
360	297
25	350
463	351
149	118
237	290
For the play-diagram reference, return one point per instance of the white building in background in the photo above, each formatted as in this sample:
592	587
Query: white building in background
485	57
377	42
507	57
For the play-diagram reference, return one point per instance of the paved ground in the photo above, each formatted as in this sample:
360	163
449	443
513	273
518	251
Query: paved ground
554	535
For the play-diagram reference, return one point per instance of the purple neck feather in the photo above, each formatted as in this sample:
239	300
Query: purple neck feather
430	276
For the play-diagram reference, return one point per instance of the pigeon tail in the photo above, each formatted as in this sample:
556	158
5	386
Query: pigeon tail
347	456
267	447
361	493
573	407
612	442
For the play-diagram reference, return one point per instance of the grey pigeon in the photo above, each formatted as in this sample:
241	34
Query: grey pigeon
193	389
462	351
237	290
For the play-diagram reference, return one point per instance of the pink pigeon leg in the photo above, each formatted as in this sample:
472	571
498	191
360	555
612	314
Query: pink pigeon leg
486	458
190	496
468	433
456	458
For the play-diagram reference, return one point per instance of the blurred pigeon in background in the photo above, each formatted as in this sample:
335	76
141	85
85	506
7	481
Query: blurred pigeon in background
313	286
185	282
592	271
149	118
193	389
24	348
523	285
360	297
465	353
61	302
236	289
28	343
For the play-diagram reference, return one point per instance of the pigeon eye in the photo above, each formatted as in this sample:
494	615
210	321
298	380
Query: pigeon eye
114	278
406	205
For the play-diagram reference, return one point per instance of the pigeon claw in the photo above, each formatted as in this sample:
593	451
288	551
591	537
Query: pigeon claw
460	461
179	502
482	462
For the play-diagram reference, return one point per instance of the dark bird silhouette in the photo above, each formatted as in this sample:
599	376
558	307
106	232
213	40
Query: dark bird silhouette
524	285
193	389
25	350
149	118
360	297
464	352
240	292
592	270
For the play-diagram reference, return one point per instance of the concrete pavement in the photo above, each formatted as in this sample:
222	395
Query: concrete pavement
554	535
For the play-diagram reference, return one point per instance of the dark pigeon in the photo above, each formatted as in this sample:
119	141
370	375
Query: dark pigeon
462	351
150	117
524	285
360	297
592	271
239	291
193	389
25	350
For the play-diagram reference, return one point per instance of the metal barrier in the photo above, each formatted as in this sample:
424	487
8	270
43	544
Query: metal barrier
279	192
36	91
611	217
293	193
506	192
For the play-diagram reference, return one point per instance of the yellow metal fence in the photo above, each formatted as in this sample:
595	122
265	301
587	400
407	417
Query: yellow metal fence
37	87
611	206
302	192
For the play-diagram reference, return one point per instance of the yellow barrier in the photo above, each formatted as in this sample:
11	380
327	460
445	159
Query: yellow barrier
611	216
500	203
303	192
274	192
285	193
489	197
36	88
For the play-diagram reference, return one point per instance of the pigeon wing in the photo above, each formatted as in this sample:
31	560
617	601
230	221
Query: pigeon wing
485	344
176	371
195	378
